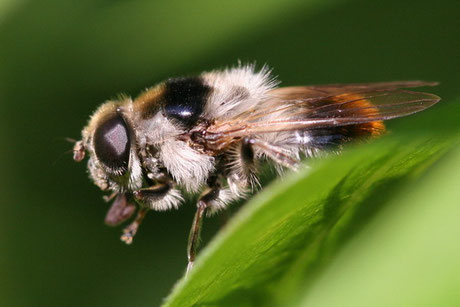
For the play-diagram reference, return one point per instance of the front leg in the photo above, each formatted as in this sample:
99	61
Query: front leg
130	231
145	197
204	202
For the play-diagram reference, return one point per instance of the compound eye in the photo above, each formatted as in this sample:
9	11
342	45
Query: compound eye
112	144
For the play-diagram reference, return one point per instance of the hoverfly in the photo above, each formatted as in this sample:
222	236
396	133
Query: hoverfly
206	135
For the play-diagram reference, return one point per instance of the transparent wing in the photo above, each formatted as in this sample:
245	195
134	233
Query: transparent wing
325	106
316	91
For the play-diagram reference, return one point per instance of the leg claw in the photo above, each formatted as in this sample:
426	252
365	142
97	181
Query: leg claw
127	236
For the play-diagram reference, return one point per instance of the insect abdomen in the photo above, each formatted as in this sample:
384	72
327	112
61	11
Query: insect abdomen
349	104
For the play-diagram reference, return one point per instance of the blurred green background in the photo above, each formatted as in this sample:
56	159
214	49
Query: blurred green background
60	59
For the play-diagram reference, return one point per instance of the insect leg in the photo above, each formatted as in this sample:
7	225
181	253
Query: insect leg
242	168
130	231
155	191
108	198
204	202
247	150
141	195
274	152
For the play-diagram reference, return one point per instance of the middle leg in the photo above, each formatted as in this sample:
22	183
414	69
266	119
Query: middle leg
204	202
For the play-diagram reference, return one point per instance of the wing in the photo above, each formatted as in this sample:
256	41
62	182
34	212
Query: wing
316	91
309	108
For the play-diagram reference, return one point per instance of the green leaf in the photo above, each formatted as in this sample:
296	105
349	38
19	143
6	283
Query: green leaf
280	247
409	255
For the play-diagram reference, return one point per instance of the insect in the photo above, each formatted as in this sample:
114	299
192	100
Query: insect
207	135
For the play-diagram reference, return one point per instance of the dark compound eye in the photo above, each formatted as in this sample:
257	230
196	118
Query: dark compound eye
184	100
112	144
